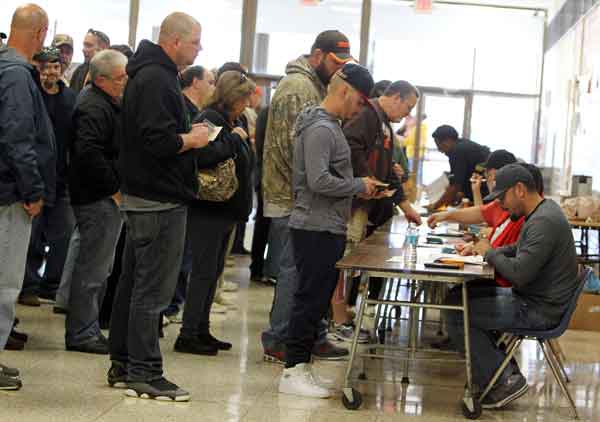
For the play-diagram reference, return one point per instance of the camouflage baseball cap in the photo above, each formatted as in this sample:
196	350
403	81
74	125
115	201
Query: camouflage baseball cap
62	39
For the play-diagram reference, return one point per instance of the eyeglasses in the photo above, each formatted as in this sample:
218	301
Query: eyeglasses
101	35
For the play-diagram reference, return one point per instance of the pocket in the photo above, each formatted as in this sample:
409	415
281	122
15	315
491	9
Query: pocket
143	227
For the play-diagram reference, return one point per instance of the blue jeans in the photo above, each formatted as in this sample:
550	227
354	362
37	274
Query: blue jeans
151	262
64	289
495	310
99	226
182	281
285	289
15	230
52	228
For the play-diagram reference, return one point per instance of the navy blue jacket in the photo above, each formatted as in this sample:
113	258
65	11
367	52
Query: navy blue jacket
27	146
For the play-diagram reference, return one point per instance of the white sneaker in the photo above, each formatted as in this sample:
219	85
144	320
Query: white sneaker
217	308
299	381
229	286
165	321
324	382
223	301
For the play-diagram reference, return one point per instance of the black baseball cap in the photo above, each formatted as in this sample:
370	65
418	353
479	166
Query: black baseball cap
499	159
444	132
507	177
336	43
358	77
3	36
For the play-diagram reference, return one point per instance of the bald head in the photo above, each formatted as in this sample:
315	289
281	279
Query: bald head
29	17
177	25
28	30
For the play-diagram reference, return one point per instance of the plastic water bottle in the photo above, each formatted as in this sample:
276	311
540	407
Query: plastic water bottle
410	245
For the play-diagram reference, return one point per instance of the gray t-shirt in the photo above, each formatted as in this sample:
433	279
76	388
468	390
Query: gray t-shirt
137	204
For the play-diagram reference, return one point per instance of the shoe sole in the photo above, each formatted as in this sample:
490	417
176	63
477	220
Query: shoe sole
119	385
132	393
340	338
331	358
197	353
11	388
517	394
89	352
292	392
273	359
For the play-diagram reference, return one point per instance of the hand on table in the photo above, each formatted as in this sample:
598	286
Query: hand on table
412	216
481	247
465	249
434	220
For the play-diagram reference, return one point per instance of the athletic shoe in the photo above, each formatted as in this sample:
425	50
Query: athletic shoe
299	381
327	351
223	301
345	332
159	389
19	335
9	383
217	308
97	346
229	286
117	375
275	354
501	395
209	339
14	344
195	346
9	372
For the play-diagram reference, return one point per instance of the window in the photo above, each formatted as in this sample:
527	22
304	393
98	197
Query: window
221	26
287	28
75	18
462	47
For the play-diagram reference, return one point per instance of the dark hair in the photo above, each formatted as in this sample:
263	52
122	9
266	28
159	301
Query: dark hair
538	179
402	88
124	49
191	73
101	36
380	88
235	66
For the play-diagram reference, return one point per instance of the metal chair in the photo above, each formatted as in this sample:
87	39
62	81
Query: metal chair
543	337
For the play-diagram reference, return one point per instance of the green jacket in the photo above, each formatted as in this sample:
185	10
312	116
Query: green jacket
300	88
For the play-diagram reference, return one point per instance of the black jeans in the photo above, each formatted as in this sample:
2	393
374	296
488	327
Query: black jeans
151	262
52	228
259	239
316	254
208	236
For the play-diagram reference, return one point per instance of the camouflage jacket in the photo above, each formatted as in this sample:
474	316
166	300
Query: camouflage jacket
300	88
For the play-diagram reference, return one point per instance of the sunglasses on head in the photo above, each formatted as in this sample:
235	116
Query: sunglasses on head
101	35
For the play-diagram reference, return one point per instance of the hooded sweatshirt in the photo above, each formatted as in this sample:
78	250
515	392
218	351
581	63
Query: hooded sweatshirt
300	88
154	117
324	183
27	146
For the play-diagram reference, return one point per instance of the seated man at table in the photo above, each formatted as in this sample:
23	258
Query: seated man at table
542	268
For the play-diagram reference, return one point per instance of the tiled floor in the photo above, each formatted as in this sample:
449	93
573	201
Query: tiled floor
238	386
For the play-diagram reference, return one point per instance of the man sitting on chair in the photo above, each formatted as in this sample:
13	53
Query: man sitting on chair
542	268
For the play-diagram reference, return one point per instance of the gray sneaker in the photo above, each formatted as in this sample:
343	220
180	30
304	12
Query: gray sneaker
345	332
159	389
9	383
502	394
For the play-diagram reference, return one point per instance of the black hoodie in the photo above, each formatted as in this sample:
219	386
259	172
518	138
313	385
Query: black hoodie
154	116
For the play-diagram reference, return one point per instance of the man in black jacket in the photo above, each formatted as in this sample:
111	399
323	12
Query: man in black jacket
53	227
159	177
94	185
27	167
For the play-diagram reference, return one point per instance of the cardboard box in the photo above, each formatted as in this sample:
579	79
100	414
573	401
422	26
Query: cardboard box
587	314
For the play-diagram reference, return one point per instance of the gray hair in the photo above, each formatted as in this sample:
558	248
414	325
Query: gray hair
402	88
105	62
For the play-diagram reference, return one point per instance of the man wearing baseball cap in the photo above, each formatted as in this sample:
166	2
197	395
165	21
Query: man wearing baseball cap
464	156
64	43
304	85
324	185
542	268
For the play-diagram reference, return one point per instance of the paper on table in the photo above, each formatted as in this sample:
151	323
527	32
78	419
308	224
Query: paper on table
436	189
396	259
468	260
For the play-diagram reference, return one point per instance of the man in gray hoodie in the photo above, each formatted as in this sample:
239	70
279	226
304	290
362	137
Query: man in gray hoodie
324	185
27	166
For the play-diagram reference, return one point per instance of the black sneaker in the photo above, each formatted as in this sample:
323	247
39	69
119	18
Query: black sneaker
19	335
327	351
209	339
14	344
195	346
96	346
502	394
59	310
9	372
117	375
9	383
159	389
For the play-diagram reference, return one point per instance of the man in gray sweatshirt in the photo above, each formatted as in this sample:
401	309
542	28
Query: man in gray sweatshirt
541	266
324	185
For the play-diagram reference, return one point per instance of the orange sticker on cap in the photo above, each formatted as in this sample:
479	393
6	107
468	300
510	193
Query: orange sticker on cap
343	44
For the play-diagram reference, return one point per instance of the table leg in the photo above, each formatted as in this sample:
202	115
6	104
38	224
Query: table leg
354	347
469	403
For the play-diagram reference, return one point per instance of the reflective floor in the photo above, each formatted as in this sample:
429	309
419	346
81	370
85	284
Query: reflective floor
238	386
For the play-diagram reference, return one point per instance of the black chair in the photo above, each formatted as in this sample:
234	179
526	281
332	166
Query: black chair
543	337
